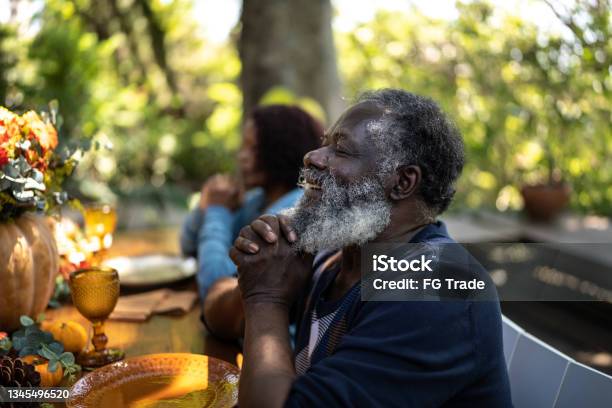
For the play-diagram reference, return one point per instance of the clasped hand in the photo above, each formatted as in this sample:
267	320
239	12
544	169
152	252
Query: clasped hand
221	189
269	269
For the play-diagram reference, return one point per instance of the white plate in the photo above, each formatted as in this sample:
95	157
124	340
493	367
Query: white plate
152	269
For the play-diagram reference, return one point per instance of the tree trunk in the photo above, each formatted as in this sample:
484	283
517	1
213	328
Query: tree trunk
157	36
289	43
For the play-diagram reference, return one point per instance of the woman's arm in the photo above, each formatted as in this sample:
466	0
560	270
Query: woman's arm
223	311
214	242
189	232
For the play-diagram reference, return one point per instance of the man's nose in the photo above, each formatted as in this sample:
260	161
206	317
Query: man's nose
316	158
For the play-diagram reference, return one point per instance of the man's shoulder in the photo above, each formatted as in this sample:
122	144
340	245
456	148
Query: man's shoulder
428	312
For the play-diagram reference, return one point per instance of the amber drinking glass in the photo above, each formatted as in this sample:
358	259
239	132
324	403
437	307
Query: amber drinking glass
94	293
100	223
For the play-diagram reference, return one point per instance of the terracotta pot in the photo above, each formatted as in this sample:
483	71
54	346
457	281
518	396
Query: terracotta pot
29	263
543	202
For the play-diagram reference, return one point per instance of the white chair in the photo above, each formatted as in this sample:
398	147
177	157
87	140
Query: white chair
541	376
510	334
584	387
536	372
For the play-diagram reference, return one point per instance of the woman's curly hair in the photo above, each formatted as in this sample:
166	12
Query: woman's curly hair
284	135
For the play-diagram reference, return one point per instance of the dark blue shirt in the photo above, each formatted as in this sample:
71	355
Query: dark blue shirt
401	354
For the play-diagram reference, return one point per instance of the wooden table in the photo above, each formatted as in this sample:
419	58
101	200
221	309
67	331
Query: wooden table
160	334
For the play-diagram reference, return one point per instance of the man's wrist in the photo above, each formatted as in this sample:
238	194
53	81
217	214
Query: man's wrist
263	300
266	316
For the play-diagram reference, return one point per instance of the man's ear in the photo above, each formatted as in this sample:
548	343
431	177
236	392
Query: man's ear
407	180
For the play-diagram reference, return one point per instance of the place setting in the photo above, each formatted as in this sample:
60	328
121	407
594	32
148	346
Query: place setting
178	379
74	311
114	378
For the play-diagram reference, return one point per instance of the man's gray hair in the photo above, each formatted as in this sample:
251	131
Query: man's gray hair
413	130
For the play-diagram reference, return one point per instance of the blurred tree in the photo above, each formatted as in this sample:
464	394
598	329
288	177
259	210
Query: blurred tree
132	74
289	43
529	104
7	61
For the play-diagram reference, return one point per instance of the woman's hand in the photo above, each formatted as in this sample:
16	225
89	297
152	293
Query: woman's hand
220	189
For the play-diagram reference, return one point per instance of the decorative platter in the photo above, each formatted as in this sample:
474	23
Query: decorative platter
160	381
152	270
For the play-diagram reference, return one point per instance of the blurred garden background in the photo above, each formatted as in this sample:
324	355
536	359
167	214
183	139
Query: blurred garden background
160	86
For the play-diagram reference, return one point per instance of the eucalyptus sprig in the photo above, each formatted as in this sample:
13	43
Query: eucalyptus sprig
30	339
66	359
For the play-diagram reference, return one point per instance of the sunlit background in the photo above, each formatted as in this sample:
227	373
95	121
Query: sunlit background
156	84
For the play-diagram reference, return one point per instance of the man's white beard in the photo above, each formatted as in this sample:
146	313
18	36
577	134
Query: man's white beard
342	216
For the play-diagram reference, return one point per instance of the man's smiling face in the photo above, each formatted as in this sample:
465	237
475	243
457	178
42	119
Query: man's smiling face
345	202
347	152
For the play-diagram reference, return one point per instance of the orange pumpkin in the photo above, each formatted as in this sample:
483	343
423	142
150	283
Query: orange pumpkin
47	378
70	333
29	262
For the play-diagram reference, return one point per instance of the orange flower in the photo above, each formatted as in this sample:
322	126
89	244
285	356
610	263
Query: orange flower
37	129
36	161
31	156
10	131
49	139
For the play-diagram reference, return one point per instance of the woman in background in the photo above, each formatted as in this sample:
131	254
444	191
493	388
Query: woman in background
275	140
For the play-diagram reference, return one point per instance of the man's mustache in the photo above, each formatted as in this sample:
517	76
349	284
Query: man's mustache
313	177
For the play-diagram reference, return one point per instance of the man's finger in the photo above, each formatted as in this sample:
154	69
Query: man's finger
286	228
272	221
264	231
245	245
236	256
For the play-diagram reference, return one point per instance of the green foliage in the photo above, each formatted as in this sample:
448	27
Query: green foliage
166	106
532	108
130	74
61	293
30	339
283	96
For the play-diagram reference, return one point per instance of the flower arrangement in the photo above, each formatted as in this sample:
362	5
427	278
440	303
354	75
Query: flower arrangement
33	168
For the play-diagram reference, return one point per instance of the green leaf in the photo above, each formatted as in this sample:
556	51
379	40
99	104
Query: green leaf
40	318
67	359
53	365
31	330
47	353
26	351
19	342
32	344
54	304
26	321
19	333
56	347
47	338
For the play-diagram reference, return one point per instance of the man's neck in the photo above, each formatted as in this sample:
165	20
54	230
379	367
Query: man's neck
405	222
350	271
349	275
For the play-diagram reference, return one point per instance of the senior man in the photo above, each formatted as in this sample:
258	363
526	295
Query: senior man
385	171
